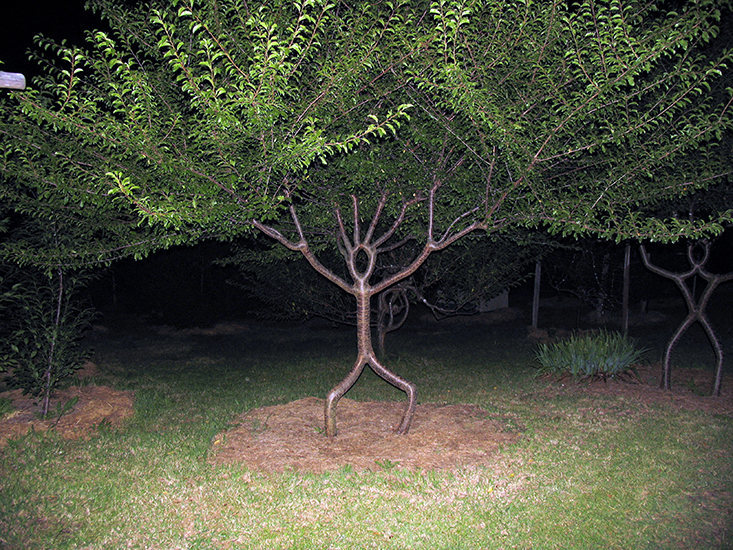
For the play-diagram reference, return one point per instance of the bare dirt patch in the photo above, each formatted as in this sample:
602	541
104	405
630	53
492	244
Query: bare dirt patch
444	437
95	405
290	437
690	389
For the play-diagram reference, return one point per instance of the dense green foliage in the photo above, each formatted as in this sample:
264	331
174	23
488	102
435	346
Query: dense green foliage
348	131
193	116
46	321
202	116
600	354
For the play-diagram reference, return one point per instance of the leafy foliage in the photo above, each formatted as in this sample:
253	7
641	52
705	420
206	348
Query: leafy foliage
47	322
348	131
9	293
194	116
588	111
600	354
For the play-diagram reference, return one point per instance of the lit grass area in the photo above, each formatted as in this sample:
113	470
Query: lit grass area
6	406
587	472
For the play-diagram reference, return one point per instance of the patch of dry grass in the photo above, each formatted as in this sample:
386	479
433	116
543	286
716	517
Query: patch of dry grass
290	437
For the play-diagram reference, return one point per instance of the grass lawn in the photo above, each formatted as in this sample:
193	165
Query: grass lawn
589	470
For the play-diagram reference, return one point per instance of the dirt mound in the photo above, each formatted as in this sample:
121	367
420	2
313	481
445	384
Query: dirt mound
95	405
690	389
290	437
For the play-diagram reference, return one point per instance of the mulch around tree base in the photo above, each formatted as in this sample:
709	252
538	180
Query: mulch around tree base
94	405
690	391
291	437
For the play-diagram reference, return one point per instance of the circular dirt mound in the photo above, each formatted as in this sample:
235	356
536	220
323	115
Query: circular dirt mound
291	437
94	405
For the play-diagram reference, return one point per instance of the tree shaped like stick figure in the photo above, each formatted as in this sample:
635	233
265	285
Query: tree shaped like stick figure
695	309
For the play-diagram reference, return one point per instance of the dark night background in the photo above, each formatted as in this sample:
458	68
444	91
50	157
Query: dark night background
181	286
58	20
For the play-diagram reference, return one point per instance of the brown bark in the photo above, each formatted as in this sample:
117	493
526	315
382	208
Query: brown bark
47	376
536	294
625	292
369	246
392	312
366	356
695	309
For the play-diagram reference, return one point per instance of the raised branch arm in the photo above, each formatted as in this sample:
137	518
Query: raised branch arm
279	237
343	238
375	218
429	247
357	228
400	218
302	247
695	308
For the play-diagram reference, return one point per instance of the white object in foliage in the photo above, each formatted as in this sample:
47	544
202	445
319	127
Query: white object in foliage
14	81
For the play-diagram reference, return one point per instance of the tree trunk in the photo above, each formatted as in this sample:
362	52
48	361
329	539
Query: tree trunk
536	294
366	356
352	245
625	293
392	311
50	365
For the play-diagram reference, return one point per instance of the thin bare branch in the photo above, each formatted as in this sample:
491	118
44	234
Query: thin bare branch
398	221
375	219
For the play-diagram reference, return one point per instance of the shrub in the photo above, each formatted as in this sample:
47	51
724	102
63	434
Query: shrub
600	354
8	295
47	323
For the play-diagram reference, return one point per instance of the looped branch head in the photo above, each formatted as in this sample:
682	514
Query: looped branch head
693	247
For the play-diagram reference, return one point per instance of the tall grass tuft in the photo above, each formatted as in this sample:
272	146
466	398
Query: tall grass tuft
602	354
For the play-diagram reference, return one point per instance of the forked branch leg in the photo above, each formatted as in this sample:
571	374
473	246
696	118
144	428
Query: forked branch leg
408	387
338	392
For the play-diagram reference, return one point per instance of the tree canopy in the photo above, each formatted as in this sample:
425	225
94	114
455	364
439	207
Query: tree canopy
362	127
205	116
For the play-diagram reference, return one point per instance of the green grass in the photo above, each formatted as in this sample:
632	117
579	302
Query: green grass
6	406
587	472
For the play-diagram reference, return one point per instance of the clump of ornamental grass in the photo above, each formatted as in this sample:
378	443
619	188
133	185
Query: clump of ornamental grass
600	354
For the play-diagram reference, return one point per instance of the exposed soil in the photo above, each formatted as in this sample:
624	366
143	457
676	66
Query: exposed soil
96	405
290	437
690	390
